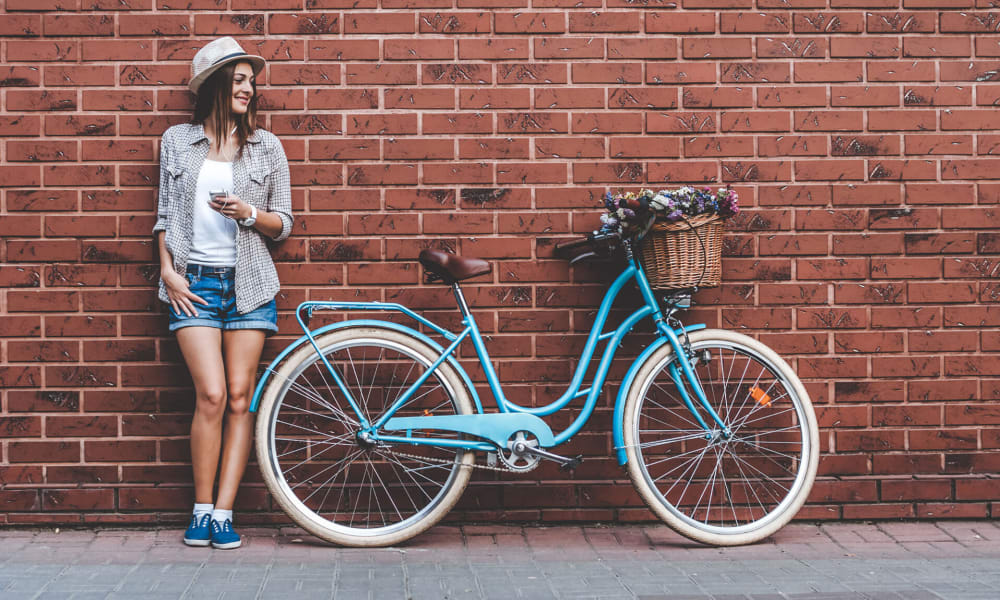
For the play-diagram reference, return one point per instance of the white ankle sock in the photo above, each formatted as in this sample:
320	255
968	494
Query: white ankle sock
202	509
222	515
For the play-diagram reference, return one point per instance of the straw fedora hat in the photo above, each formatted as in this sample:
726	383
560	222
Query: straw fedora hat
216	54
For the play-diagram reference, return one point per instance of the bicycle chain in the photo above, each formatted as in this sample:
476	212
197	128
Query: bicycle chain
445	461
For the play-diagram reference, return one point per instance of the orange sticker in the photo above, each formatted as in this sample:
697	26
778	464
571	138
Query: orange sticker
427	413
760	396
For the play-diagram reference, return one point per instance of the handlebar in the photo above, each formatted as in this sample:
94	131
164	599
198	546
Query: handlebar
565	249
600	243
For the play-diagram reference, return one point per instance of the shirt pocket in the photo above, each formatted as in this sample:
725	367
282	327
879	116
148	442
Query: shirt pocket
259	182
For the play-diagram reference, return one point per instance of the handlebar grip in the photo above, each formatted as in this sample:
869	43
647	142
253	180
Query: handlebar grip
562	250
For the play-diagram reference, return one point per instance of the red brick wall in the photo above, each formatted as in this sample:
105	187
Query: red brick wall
858	132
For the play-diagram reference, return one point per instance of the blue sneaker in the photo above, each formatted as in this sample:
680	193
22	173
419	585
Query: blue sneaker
198	532
223	536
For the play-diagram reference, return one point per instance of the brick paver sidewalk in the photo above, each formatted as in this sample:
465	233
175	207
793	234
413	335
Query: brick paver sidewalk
899	561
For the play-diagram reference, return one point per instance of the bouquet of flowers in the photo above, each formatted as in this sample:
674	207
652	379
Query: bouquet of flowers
635	213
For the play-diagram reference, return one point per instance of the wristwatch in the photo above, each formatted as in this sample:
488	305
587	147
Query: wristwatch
249	221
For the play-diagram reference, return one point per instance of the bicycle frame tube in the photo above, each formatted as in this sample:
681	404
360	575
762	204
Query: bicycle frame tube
596	335
420	380
265	378
456	340
632	271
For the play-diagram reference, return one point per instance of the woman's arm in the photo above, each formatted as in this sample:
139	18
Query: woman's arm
279	201
268	223
163	195
181	297
276	221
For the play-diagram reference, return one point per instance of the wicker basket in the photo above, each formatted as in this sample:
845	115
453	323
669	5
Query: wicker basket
673	254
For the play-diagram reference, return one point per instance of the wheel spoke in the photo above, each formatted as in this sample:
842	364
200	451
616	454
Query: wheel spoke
675	412
752	488
403	486
310	444
336	418
762	475
347	463
674	440
675	457
769	414
323	434
316	397
337	411
329	484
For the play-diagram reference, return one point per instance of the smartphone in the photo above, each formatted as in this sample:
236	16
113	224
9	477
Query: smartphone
216	194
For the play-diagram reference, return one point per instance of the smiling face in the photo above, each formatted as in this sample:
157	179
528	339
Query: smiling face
243	88
228	99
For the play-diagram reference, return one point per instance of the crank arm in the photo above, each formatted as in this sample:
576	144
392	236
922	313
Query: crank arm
565	462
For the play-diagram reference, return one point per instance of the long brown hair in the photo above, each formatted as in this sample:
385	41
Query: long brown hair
216	96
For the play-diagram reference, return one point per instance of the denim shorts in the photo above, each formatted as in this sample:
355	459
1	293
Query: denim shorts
216	285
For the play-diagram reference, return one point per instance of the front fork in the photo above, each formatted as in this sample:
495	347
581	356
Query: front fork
682	350
685	377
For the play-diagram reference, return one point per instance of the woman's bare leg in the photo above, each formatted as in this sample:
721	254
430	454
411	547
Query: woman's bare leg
241	350
202	350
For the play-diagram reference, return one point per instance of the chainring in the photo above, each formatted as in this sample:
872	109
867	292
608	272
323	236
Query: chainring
520	461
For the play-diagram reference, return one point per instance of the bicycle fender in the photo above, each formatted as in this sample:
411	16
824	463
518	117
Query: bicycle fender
496	427
618	425
273	366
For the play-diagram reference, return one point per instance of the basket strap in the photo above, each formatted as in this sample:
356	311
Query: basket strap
704	251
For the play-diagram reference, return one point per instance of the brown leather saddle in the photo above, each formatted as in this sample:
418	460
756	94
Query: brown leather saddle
449	268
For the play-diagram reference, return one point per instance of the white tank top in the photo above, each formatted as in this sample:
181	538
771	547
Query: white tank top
214	242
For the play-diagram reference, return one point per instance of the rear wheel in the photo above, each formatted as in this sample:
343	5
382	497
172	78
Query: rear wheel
722	490
334	483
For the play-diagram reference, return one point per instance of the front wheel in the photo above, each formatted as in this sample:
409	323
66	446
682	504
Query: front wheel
710	487
341	486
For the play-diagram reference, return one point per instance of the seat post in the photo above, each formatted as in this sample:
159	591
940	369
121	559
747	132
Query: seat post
460	298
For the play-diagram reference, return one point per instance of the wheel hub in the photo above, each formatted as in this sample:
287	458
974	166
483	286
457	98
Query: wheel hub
365	442
718	436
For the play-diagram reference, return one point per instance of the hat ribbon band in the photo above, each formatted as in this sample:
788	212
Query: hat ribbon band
228	56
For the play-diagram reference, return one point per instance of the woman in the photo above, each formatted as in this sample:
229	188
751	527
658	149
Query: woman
215	269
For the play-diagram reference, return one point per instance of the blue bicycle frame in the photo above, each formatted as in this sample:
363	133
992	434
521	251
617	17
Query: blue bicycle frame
495	427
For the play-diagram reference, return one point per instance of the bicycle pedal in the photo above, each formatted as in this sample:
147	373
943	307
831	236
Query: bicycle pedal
572	463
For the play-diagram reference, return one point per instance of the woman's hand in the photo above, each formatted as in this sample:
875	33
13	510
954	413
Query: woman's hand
231	206
181	296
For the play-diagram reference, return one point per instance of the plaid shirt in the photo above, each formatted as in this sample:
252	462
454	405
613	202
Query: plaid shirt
260	178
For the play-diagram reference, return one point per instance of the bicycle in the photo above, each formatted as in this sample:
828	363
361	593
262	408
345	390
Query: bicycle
369	429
